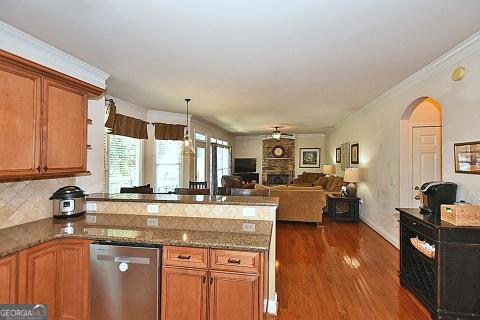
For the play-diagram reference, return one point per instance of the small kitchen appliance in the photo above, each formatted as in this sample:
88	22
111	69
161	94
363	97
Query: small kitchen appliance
434	194
69	201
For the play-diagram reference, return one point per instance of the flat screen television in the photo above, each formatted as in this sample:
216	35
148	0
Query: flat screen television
244	165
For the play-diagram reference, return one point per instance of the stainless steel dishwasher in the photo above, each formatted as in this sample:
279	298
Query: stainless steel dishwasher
124	282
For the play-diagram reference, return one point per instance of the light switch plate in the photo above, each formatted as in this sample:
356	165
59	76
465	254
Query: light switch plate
91	219
248	227
91	206
152	222
249	212
152	208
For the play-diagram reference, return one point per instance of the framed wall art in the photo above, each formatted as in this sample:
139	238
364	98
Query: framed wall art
354	149
309	157
338	155
345	163
467	157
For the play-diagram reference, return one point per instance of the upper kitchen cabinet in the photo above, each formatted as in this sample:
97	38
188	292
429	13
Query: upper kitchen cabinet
64	138
43	122
20	104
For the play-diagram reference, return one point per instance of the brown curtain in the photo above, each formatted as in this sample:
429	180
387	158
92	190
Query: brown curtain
129	127
165	131
112	109
122	125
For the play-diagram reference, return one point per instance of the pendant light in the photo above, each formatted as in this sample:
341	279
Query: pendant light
187	147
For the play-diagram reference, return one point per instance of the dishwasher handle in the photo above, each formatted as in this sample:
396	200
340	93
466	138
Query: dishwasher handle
123	259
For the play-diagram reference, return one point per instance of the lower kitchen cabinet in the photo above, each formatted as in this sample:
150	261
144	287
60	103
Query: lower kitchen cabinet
228	287
184	294
56	273
233	296
8	280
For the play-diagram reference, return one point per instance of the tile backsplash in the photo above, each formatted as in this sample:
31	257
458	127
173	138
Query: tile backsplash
27	201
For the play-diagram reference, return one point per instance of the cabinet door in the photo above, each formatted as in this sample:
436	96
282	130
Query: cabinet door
20	100
8	280
184	294
37	278
64	143
72	283
233	296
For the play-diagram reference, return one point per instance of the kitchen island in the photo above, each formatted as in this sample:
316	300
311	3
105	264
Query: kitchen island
47	261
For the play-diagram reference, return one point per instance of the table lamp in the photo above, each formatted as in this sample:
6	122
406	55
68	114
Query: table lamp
328	169
352	175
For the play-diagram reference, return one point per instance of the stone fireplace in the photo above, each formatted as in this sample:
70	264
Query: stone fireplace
278	169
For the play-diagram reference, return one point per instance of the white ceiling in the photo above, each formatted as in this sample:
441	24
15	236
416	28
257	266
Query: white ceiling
249	65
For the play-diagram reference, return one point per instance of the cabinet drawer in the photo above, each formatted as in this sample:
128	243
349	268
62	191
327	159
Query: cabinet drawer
421	228
238	261
185	257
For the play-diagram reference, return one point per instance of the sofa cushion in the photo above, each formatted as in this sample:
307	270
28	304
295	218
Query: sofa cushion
293	187
321	181
335	184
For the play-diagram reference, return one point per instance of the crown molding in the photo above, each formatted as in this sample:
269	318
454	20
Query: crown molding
21	44
462	51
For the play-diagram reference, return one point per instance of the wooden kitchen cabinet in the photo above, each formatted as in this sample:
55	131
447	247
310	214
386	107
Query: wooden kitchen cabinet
64	140
184	294
56	273
234	296
8	279
20	104
212	284
43	122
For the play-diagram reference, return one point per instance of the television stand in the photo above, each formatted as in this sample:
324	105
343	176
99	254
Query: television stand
249	177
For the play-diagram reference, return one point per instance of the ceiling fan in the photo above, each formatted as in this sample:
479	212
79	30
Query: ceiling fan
277	134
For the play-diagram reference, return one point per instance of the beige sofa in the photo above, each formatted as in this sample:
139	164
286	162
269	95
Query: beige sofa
330	184
298	203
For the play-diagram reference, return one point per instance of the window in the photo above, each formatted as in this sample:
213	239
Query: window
201	162
200	137
223	163
124	163
168	165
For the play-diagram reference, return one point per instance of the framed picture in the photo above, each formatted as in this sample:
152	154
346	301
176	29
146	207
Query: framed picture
354	153
338	155
309	157
345	163
467	157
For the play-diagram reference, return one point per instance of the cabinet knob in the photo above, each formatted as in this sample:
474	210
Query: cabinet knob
211	280
204	279
38	169
414	223
183	257
45	168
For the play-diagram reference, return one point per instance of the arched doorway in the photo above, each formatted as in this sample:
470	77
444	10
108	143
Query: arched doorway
420	148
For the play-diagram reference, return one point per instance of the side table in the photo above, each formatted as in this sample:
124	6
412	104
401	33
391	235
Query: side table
342	208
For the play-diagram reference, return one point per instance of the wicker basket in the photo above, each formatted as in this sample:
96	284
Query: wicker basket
461	214
418	244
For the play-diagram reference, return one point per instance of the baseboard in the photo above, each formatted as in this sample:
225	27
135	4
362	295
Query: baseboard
394	241
270	306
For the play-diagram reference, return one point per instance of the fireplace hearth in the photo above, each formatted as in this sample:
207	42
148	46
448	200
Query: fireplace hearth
278	178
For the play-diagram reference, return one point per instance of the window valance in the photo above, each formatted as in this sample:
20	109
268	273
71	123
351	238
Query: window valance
164	131
123	125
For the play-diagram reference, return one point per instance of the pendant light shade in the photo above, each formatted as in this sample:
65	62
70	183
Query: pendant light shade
187	147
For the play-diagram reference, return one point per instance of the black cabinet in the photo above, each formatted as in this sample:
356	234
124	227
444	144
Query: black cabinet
448	284
342	208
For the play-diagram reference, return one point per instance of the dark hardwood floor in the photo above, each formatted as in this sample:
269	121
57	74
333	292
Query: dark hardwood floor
342	271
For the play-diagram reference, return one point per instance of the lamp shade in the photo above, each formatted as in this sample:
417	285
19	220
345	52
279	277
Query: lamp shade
328	169
351	175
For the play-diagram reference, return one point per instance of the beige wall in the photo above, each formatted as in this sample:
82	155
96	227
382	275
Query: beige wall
251	147
377	128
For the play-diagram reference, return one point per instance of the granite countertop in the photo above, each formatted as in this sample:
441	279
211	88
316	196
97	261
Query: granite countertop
231	234
175	198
